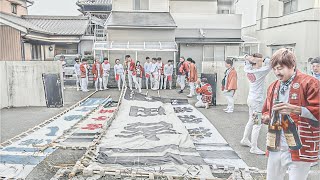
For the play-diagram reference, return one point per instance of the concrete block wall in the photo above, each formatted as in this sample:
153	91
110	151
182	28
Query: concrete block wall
21	82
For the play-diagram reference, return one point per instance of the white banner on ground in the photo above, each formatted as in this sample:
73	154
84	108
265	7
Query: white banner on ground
208	141
86	131
147	136
18	159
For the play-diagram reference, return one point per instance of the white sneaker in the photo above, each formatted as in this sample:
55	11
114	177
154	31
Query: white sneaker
101	89
314	164
229	111
189	96
226	109
96	89
257	151
245	142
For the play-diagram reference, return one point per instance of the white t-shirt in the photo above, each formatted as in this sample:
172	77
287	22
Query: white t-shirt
256	79
118	69
106	69
147	67
168	70
154	68
77	69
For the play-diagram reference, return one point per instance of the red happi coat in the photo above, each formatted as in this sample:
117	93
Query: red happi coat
305	92
83	70
95	71
206	91
132	67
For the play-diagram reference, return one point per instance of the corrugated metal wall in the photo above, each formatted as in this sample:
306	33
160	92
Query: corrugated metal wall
10	44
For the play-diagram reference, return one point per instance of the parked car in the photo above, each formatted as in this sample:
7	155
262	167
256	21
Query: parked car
70	61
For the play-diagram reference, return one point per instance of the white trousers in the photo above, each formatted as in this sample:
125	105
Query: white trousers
192	88
200	104
147	81
133	78
121	78
254	129
181	79
230	100
155	81
280	162
139	80
78	82
161	79
84	84
165	82
105	81
96	83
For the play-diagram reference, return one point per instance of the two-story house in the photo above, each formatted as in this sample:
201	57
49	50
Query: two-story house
40	37
207	30
292	24
139	28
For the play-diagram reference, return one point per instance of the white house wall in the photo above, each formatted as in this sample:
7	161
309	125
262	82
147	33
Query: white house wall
203	7
85	45
304	34
248	9
140	35
154	5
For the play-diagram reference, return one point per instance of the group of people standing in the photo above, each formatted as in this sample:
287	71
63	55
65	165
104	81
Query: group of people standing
156	73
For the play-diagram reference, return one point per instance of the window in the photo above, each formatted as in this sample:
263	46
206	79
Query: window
218	53
14	8
36	52
225	6
275	48
140	4
223	11
214	53
290	6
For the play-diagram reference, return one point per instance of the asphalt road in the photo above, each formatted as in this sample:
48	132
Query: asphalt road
17	120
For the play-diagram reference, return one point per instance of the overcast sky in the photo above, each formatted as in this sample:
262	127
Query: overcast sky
54	7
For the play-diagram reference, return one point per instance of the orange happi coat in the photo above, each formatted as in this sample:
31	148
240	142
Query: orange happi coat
231	81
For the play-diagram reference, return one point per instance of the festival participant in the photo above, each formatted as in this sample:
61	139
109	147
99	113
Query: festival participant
160	69
132	73
229	85
147	68
182	72
291	111
139	71
154	74
106	72
119	73
205	89
97	72
168	72
193	76
256	74
78	73
84	68
315	65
